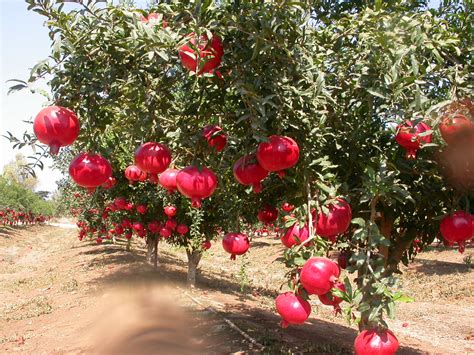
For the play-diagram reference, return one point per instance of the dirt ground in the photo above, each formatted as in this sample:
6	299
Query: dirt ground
60	295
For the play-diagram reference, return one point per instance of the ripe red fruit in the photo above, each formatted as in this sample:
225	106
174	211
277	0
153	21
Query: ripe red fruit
182	229
293	309
295	235
57	127
90	170
133	173
287	207
342	259
165	232
335	222
457	228
235	244
409	137
120	203
206	245
267	214
142	209
278	154
330	300
318	275
138	227
129	206
111	182
152	158
381	342
171	224
248	171
170	211
455	127
215	137
128	235
167	180
201	55
126	223
196	184
154	226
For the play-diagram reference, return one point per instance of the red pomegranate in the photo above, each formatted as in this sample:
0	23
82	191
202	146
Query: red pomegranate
120	203
171	224
208	57
248	171
90	170
330	300
318	275
167	180
182	229
142	209
170	211
278	154
335	222
457	228
235	244
138	227
133	173
267	214
293	309
196	184
154	227
409	137
287	207
165	232
215	137
376	342
152	158
295	235
57	127
455	127
206	245
111	182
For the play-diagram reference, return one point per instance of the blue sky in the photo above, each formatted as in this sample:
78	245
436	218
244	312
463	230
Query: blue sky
23	42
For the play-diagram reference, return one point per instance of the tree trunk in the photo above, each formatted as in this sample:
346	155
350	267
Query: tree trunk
193	261
152	251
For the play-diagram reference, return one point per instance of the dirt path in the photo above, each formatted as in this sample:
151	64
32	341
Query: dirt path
60	295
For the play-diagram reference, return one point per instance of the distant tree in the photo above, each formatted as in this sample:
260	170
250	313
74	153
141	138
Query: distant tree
17	171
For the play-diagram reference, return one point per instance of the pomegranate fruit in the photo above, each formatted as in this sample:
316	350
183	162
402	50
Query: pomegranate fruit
330	300
318	275
57	127
215	137
409	137
206	245
247	171
235	244
335	222
457	228
278	154
165	232
196	184
287	207
154	227
152	158
133	173
90	170
142	209
171	224
170	211
167	180
200	54
111	182
295	235
267	214
293	309
375	341
455	127
182	229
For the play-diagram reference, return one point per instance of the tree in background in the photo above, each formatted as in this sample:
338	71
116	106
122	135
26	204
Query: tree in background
17	171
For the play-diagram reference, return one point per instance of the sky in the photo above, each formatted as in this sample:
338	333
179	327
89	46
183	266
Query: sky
24	42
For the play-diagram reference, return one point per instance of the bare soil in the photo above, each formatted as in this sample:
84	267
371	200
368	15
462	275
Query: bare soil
60	296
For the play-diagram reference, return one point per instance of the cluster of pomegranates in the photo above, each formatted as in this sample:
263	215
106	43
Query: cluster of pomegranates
130	219
454	127
11	217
